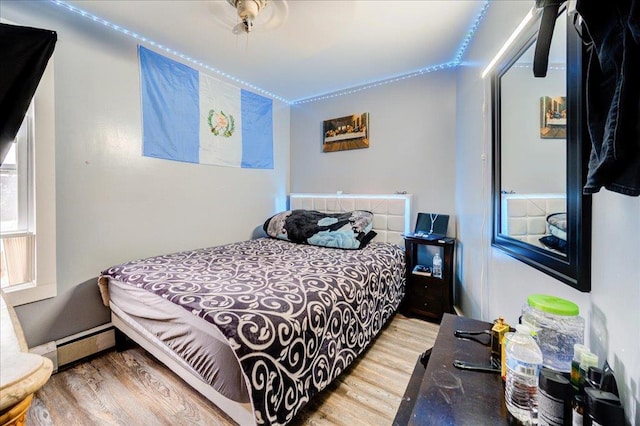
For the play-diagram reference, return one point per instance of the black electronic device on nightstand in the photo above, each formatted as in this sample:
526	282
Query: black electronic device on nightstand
431	226
427	294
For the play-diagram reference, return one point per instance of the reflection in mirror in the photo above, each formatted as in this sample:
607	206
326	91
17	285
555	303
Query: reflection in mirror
540	147
533	148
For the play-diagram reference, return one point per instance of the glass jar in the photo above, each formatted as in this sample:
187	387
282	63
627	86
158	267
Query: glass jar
557	327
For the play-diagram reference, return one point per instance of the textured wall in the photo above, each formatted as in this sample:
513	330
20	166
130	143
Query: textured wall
112	203
412	144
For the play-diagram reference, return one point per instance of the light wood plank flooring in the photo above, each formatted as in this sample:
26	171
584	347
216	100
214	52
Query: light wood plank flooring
132	388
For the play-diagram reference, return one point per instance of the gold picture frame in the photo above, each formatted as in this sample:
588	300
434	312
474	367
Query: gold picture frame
553	117
348	132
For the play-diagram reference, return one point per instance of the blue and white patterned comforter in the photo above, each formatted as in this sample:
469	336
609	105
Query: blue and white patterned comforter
295	315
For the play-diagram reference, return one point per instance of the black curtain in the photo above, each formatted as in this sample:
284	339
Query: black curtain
24	53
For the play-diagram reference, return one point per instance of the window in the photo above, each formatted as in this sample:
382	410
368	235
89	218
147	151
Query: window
17	233
27	203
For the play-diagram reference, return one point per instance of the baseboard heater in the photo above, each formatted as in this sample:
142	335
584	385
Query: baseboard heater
68	350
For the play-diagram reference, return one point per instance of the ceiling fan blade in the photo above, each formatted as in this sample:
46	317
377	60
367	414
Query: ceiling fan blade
274	15
223	13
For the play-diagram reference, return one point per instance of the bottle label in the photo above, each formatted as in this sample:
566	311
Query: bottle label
577	418
575	374
550	410
524	368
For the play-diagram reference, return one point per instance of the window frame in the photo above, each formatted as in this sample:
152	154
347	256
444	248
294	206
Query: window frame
43	212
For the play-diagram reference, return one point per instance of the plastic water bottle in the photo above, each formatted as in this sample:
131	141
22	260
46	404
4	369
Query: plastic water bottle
437	266
524	362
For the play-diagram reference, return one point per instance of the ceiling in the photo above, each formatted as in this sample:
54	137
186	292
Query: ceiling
300	49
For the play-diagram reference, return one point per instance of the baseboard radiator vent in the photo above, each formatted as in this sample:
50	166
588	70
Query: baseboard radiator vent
48	350
73	348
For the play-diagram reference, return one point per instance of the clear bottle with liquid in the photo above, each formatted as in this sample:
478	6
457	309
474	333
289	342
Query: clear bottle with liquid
524	362
578	350
437	265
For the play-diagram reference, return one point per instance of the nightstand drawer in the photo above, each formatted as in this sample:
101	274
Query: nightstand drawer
427	307
431	291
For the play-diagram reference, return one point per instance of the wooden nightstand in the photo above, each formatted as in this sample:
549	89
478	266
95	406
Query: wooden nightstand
429	296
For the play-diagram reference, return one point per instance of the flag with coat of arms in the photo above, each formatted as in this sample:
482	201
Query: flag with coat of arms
190	116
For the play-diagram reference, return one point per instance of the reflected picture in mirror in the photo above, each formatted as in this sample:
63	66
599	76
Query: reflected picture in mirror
541	216
553	117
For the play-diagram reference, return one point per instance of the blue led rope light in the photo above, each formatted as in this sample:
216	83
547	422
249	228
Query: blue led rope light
376	84
471	33
452	64
550	67
143	39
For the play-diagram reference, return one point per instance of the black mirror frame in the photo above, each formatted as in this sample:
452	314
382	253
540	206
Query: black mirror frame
573	269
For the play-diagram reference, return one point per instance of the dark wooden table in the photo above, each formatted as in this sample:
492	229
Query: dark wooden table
451	396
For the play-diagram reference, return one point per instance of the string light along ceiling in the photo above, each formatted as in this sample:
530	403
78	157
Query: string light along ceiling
247	12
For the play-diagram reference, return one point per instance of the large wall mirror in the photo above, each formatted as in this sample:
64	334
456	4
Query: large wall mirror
540	148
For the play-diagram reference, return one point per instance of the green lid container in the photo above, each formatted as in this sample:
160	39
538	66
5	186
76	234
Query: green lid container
553	305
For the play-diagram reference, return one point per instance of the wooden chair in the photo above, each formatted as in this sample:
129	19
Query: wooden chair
21	373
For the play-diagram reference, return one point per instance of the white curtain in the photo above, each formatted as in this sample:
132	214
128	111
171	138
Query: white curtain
17	258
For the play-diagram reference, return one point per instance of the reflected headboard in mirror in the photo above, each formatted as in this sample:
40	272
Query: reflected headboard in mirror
540	153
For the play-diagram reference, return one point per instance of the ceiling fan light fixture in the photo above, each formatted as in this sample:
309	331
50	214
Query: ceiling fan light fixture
248	10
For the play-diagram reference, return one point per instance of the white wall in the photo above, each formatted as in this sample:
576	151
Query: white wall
113	204
412	143
494	284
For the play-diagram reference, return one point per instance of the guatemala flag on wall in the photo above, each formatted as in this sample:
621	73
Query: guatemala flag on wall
190	116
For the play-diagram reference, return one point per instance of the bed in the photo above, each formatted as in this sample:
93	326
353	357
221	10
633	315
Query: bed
538	219
261	326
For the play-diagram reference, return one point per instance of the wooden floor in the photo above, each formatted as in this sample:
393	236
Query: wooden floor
132	388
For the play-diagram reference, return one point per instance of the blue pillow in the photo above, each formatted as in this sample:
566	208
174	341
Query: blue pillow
350	230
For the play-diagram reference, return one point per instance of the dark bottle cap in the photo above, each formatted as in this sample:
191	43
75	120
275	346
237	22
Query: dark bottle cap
594	377
604	407
608	380
555	384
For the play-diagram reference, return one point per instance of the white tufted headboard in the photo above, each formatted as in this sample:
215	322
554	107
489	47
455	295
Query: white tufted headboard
391	213
524	216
